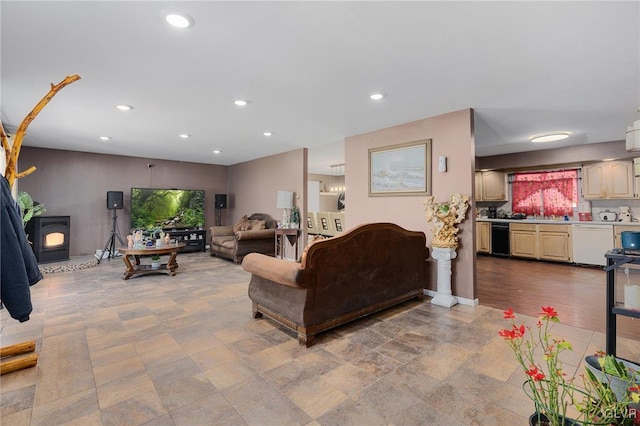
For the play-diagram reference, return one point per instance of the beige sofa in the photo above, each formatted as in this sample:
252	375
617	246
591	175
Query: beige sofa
368	268
255	234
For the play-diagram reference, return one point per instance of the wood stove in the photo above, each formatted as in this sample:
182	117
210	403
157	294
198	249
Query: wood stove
50	237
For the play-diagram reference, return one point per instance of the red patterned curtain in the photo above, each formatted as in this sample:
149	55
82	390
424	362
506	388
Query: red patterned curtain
546	193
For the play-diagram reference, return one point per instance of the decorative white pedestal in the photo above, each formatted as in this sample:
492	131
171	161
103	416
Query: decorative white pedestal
444	296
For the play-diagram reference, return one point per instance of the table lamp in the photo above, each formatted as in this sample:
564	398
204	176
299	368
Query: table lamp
285	201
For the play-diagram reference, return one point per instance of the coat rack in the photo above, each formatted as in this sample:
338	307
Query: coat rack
12	151
13	364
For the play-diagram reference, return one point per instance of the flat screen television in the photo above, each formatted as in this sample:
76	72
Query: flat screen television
167	208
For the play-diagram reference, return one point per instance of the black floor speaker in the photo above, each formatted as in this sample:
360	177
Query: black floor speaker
221	201
115	200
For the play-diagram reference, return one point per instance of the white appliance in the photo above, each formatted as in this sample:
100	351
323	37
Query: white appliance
625	214
591	242
607	216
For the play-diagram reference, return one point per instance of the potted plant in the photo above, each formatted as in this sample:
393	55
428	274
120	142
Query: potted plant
155	261
615	372
295	217
28	207
554	393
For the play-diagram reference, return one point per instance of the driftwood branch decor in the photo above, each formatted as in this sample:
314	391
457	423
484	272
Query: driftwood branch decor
12	151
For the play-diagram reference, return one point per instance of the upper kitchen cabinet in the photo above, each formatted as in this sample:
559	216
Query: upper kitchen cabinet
491	186
607	180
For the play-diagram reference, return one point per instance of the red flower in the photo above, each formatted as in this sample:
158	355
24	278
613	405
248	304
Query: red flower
535	374
518	331
514	333
507	334
548	312
509	314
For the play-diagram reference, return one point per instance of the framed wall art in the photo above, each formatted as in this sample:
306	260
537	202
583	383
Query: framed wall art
403	169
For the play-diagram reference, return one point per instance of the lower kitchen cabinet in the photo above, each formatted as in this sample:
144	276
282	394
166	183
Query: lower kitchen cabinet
545	242
524	240
554	242
483	237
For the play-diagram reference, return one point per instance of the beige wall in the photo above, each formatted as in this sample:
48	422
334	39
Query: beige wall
253	185
71	183
452	136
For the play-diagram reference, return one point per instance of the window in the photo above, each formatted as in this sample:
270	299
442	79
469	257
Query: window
545	193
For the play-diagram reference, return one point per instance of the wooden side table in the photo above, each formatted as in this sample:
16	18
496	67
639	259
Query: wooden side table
292	235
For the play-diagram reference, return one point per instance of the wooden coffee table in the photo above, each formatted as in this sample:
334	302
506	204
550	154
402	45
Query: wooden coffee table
131	258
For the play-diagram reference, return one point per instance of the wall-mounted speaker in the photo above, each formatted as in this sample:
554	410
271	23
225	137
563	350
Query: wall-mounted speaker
221	201
115	200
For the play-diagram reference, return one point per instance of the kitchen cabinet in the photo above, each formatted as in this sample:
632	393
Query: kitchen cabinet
554	242
483	237
478	186
490	186
523	239
541	241
608	180
618	229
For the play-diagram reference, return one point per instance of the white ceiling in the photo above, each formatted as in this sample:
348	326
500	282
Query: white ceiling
307	69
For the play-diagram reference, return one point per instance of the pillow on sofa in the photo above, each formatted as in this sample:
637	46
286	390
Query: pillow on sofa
242	225
257	225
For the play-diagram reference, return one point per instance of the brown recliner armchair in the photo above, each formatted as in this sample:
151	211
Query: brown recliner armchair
253	234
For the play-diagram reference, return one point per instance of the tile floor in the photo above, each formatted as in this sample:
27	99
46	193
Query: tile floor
184	350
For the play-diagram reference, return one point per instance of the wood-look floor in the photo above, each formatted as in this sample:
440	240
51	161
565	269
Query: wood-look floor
576	292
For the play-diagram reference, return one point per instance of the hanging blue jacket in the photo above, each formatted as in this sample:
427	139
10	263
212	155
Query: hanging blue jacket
18	265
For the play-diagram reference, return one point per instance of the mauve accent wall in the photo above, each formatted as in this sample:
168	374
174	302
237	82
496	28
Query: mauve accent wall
76	183
253	186
452	136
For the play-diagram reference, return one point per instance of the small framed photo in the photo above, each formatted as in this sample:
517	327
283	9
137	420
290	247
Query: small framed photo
403	169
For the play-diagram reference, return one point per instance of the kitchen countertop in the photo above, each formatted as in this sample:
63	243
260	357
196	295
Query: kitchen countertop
556	222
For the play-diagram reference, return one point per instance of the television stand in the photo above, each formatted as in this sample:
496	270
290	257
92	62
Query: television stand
194	239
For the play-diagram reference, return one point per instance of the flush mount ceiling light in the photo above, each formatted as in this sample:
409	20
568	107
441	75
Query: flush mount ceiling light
549	137
105	138
240	102
178	18
216	151
267	133
124	107
184	136
376	96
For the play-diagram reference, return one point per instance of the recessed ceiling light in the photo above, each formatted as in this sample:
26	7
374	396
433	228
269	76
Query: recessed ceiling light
267	133
240	102
216	151
184	136
549	137
178	19
105	138
124	107
376	96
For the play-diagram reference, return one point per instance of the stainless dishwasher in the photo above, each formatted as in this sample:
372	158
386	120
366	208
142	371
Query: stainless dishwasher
500	238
